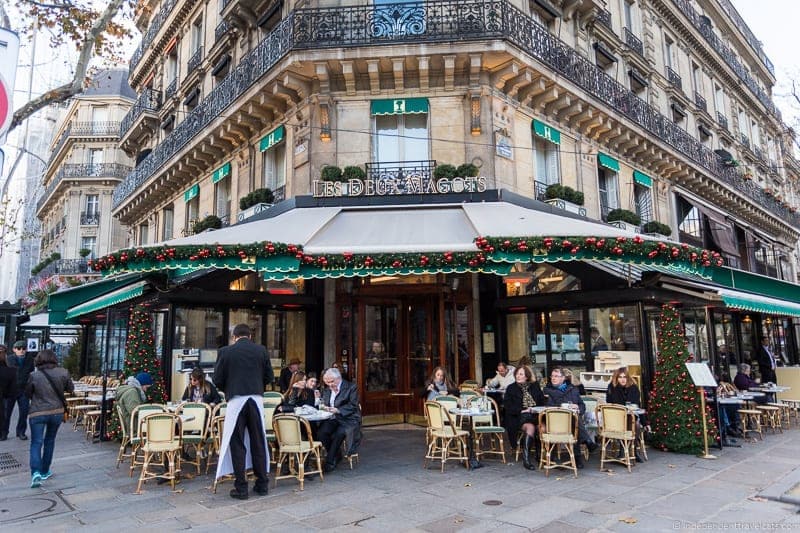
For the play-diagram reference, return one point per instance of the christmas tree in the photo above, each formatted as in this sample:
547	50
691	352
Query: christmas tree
676	420
140	356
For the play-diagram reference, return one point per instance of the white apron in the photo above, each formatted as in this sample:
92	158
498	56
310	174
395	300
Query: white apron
235	405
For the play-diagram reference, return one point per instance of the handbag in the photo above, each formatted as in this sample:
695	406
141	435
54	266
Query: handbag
60	394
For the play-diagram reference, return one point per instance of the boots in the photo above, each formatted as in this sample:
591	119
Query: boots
526	450
576	449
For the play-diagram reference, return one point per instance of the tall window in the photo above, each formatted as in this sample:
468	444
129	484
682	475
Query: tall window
89	243
690	222
697	79
169	223
401	138
143	234
95	161
545	160
643	196
192	212
171	68
92	204
99	119
669	51
608	190
756	133
627	13
222	195
743	125
275	167
719	99
197	35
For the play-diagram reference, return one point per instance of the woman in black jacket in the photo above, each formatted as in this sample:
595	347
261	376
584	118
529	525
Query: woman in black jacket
298	394
622	390
200	390
520	399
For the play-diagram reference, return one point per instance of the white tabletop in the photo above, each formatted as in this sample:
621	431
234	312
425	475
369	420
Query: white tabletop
470	412
186	418
313	415
97	398
770	389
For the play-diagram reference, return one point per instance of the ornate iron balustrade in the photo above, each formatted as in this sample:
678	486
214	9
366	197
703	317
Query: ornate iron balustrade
90	219
94	128
221	29
152	31
223	5
722	120
748	35
700	101
171	88
540	190
149	100
65	267
685	7
59	145
400	170
194	61
674	78
633	42
758	152
745	141
441	21
84	170
604	18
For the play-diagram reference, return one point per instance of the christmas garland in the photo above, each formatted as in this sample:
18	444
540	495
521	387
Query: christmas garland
489	250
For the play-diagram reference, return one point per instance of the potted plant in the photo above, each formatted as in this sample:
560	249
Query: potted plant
353	173
624	219
657	228
566	198
210	222
444	172
83	252
258	196
331	173
467	170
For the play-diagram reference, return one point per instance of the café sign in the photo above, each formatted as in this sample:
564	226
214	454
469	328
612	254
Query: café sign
397	186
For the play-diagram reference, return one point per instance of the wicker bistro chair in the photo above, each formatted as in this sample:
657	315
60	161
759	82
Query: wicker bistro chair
443	432
163	439
770	417
126	437
215	433
751	422
195	432
487	427
138	430
274	395
296	444
561	431
617	424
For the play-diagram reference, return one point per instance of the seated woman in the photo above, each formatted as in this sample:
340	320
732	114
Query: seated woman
297	395
520	399
200	390
622	390
312	388
559	392
438	384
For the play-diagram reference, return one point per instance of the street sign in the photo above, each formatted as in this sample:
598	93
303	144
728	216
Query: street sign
9	52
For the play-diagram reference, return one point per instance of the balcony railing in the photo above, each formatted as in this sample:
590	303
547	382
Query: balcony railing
65	267
540	190
221	29
748	35
700	102
604	18
674	78
149	100
171	88
90	219
633	42
194	61
100	170
441	21
685	7
400	170
745	141
59	145
79	129
758	152
152	31
722	120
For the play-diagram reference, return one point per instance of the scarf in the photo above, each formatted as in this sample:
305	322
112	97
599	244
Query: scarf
562	387
133	382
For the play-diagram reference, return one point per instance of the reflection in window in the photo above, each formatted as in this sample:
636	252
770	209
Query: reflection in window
617	326
566	340
689	220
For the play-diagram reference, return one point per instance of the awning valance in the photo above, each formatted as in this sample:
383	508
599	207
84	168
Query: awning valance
221	172
118	296
400	106
546	132
58	303
272	138
642	179
758	303
608	162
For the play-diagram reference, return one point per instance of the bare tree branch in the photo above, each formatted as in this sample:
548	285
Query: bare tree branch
75	86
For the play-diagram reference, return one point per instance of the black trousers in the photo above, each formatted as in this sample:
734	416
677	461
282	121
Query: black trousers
331	434
251	420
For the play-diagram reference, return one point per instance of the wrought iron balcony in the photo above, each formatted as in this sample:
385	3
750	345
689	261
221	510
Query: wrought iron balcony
90	219
685	7
221	29
171	88
604	18
722	120
700	102
448	21
65	267
748	35
633	42
148	101
758	152
540	190
745	141
400	170
87	129
194	61
674	78
152	30
59	145
87	170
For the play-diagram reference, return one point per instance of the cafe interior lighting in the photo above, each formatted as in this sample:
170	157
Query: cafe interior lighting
324	123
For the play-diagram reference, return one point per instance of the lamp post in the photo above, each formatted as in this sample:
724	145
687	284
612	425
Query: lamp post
106	364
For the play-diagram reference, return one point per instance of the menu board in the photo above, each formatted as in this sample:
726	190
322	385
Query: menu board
701	375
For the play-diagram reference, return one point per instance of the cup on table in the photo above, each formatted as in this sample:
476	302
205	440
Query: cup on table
565	405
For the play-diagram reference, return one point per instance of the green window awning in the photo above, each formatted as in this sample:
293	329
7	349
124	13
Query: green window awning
107	300
59	302
756	284
546	132
758	303
608	162
400	106
642	179
272	138
221	172
191	192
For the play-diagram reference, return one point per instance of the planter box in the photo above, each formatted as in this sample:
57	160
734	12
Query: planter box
658	236
567	206
252	210
625	226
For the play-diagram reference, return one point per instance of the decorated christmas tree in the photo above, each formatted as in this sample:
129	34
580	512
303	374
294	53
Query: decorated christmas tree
140	356
676	415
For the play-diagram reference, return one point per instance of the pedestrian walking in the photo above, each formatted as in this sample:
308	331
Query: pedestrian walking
8	390
22	361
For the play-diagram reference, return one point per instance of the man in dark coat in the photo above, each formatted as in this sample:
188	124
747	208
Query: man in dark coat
22	361
8	390
243	371
766	362
286	375
341	399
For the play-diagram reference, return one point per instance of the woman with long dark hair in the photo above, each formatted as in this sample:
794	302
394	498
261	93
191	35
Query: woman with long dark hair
200	390
439	383
520	399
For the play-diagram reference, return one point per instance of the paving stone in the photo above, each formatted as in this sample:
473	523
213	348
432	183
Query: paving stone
334	518
561	527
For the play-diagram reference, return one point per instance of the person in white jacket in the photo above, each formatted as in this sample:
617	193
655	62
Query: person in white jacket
503	378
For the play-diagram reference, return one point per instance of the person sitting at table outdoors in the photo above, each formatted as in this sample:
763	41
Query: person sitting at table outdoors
298	394
574	381
312	388
200	390
341	399
730	422
132	394
439	384
623	391
744	382
520	399
560	393
503	378
285	379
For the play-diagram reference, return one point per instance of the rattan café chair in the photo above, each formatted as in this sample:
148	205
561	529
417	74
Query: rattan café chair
296	444
617	424
560	431
487	427
163	440
443	432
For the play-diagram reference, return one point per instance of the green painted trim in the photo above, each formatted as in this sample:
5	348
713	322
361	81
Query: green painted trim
272	138
546	132
607	161
59	302
757	304
191	192
757	284
221	172
642	179
107	300
399	106
312	272
278	263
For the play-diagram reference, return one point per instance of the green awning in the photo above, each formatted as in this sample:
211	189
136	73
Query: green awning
314	272
546	132
642	179
221	172
107	300
59	302
402	106
758	303
607	161
756	284
191	192
272	138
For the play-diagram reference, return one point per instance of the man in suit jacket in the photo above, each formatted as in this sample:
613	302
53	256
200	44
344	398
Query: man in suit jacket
766	362
341	399
243	371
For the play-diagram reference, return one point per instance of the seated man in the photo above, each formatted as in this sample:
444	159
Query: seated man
132	394
744	382
503	378
729	413
559	392
341	399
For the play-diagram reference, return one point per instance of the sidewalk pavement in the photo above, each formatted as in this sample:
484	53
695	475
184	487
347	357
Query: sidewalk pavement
751	487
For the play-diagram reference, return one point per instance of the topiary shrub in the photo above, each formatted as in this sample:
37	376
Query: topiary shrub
444	172
83	252
331	173
258	196
467	170
655	226
624	215
563	192
210	222
354	173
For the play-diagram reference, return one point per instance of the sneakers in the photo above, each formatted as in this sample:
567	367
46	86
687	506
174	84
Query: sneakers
46	475
36	480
